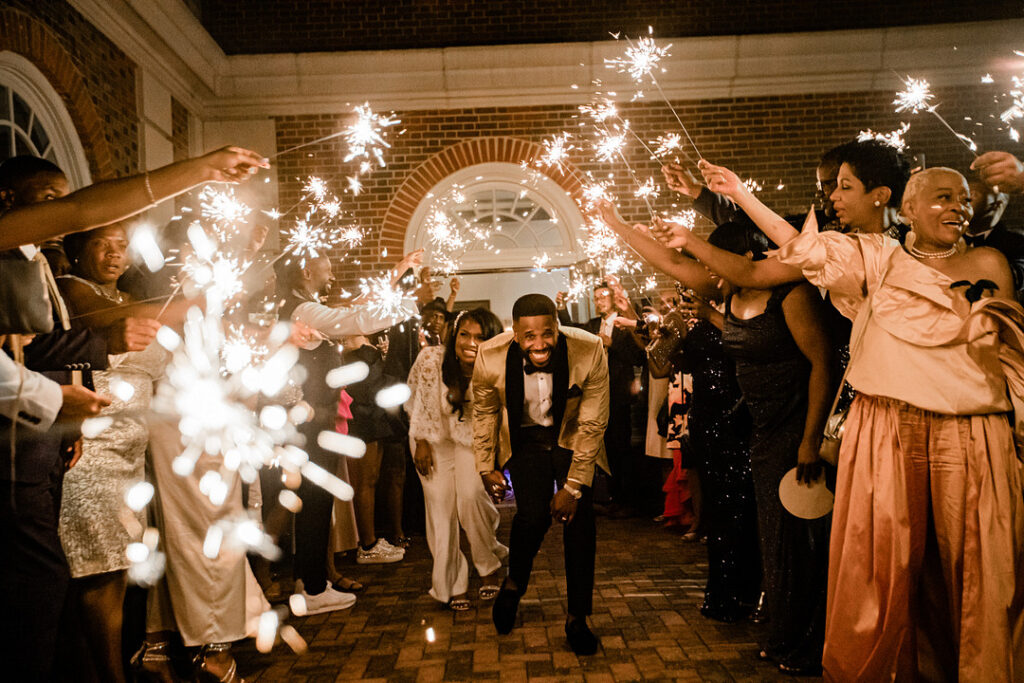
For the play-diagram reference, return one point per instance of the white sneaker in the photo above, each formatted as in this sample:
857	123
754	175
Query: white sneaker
391	548
304	604
381	552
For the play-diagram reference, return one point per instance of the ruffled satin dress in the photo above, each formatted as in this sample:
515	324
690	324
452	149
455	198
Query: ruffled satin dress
927	547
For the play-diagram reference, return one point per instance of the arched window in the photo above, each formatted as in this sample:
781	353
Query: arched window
34	120
525	214
533	232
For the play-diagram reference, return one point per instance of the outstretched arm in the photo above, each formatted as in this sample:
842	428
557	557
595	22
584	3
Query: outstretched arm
723	181
668	261
114	200
735	268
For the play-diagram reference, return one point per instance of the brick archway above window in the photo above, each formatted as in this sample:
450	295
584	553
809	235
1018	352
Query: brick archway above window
34	41
462	155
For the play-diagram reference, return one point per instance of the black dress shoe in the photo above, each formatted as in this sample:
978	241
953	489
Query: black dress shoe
581	639
506	604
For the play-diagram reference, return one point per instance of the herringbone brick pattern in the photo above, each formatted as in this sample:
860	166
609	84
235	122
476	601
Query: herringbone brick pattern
648	588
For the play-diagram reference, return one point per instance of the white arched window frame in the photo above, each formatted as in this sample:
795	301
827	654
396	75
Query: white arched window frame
46	110
536	190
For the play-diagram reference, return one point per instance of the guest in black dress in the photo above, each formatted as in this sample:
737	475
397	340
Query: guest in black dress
783	365
719	427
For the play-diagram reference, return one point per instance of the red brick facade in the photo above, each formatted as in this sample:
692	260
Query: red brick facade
94	78
775	140
339	25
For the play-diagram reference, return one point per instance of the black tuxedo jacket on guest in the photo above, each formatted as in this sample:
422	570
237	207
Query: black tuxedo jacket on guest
623	355
579	401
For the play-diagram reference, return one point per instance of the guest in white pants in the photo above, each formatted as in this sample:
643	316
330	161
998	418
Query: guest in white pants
441	431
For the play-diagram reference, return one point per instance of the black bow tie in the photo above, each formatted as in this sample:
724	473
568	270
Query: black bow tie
529	368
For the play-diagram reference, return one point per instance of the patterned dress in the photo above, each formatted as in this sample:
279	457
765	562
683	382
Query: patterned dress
95	524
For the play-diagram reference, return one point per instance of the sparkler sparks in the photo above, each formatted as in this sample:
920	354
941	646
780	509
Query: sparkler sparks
916	97
666	144
556	151
894	139
640	60
223	211
382	298
367	137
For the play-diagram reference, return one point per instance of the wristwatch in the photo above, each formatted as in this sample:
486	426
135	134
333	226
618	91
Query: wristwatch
572	491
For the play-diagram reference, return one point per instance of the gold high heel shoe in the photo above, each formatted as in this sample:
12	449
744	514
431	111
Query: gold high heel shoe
204	675
152	662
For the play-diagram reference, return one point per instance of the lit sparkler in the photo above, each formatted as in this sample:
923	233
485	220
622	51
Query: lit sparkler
367	137
382	298
641	59
917	97
894	139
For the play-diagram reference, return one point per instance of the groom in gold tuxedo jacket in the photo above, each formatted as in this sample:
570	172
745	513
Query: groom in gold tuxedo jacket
540	410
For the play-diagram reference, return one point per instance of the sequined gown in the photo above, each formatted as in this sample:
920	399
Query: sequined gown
773	375
719	427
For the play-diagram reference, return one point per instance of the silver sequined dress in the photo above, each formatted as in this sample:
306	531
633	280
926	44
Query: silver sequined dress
95	524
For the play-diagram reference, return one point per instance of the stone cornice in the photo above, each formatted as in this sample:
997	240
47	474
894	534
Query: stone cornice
163	36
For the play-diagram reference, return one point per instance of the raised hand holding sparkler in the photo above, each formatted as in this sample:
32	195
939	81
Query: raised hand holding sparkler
1000	170
680	180
722	181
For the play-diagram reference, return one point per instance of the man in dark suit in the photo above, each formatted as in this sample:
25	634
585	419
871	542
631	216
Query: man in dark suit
540	409
624	353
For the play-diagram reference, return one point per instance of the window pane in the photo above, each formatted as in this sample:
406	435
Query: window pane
5	103
22	113
22	145
39	137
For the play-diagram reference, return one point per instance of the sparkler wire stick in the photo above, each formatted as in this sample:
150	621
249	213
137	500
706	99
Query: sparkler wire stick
670	107
307	144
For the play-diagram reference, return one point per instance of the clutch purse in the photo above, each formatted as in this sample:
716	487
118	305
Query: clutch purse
670	341
26	299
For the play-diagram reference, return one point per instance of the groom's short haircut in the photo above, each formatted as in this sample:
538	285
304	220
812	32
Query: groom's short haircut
533	304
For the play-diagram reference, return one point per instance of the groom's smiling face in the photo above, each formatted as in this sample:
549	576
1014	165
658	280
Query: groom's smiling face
537	336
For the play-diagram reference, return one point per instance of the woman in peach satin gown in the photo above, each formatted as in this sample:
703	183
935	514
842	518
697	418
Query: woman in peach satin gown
927	548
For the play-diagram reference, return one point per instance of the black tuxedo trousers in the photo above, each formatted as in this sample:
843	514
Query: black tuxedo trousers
537	467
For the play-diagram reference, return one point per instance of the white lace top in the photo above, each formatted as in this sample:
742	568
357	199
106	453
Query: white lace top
430	414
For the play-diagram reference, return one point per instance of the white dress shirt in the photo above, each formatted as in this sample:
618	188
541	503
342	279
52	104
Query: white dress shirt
40	399
608	324
537	389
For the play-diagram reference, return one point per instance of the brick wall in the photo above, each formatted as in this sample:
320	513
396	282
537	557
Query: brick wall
775	140
332	25
95	79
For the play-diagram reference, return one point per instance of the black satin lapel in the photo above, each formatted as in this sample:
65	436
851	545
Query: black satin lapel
560	381
514	392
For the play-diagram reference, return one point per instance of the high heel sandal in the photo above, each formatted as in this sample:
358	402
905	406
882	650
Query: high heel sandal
152	662
204	675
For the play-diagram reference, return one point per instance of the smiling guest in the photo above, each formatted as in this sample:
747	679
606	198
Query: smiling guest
541	397
927	547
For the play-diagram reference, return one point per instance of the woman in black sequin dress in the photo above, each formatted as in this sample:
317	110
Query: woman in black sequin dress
719	427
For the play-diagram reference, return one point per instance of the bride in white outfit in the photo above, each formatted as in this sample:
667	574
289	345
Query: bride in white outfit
441	432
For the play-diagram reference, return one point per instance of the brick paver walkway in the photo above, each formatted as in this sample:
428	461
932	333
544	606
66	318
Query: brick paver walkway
648	589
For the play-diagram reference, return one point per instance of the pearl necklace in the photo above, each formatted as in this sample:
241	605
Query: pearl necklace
914	251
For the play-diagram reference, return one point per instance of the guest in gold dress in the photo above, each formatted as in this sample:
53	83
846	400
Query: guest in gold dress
926	562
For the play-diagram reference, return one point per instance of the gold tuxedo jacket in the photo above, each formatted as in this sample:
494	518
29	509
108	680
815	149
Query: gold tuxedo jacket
579	400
